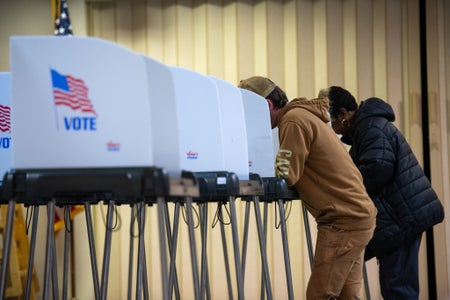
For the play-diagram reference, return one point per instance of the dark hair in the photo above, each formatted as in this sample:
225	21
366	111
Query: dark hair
340	98
278	97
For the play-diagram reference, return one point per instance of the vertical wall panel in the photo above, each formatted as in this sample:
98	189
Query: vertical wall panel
320	45
200	41
380	37
155	38
170	32
306	70
139	23
275	42
365	51
437	36
350	47
246	41
412	84
260	57
290	47
185	34
335	45
393	78
215	29
124	24
446	64
101	18
230	43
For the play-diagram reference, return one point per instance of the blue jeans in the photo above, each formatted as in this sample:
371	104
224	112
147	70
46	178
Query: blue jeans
399	272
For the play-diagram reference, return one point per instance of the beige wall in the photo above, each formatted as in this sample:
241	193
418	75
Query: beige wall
370	47
23	17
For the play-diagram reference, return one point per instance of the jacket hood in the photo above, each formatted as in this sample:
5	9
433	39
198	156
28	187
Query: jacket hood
319	107
374	107
369	108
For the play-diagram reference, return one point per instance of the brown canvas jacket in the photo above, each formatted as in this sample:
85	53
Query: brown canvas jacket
313	160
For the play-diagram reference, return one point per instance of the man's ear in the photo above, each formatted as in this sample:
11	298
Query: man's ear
271	106
343	112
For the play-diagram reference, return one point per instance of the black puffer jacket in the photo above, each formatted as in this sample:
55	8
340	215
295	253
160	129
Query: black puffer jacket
407	204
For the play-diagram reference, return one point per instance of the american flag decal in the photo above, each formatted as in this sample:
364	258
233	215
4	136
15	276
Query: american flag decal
71	92
5	118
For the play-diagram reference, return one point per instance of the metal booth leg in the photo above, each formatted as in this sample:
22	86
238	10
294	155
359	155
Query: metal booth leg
245	236
172	239
131	249
32	251
107	250
308	235
162	248
141	278
51	272
194	262
50	260
94	265
262	247
204	285
7	246
237	257
287	262
67	238
225	254
54	264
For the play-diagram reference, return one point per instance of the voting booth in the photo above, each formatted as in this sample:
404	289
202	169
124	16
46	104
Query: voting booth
5	123
82	131
209	148
259	134
234	133
73	110
167	148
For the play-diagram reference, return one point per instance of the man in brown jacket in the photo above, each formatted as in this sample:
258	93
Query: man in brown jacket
312	159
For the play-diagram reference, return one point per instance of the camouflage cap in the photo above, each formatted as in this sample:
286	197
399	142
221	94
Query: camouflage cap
260	85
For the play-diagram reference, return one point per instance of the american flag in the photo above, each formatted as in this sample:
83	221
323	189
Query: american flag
5	119
71	92
62	20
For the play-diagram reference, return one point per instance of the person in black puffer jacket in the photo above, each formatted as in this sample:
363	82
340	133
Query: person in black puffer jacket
406	202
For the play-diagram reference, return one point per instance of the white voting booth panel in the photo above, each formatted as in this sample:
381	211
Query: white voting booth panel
164	117
199	126
5	123
276	140
78	102
234	133
259	134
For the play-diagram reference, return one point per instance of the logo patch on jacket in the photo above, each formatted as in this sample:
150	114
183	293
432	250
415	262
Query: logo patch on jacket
283	162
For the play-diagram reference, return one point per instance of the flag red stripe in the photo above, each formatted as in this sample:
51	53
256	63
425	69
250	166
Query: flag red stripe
77	96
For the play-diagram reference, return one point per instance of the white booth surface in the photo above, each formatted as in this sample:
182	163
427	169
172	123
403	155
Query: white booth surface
5	123
276	141
259	134
199	126
234	132
164	117
78	102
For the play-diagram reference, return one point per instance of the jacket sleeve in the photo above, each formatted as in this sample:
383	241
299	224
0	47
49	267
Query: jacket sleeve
292	153
375	156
